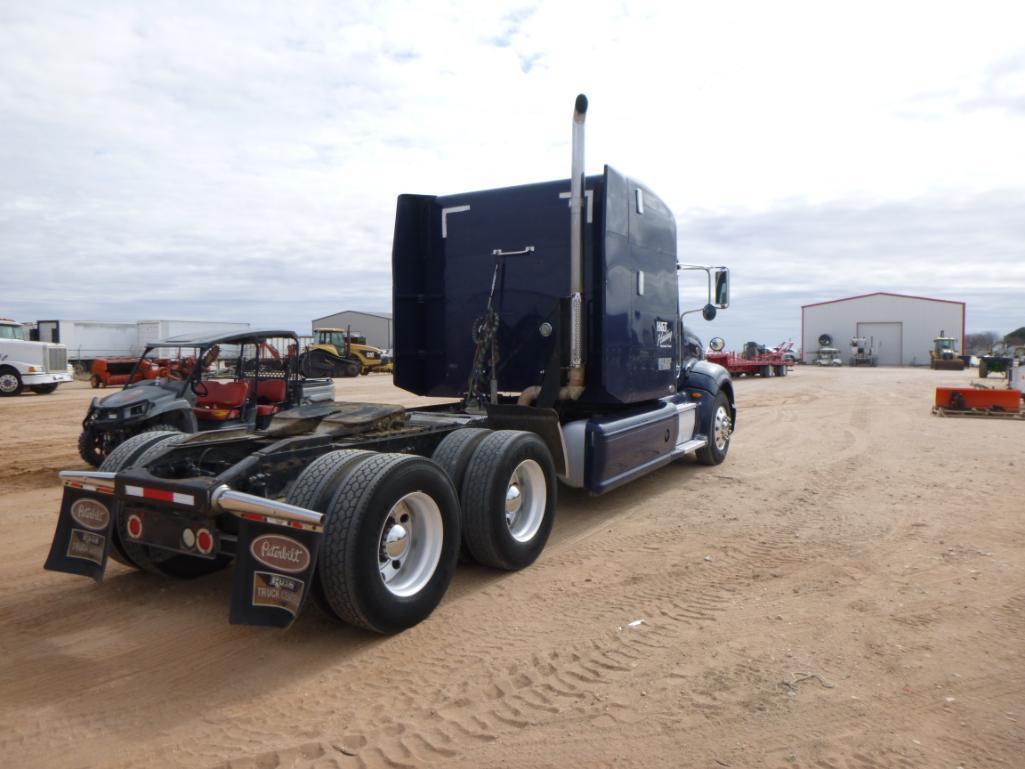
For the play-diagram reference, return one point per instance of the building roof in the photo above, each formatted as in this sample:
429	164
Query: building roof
385	315
883	293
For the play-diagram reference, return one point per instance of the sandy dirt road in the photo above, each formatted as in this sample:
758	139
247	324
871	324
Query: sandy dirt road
846	591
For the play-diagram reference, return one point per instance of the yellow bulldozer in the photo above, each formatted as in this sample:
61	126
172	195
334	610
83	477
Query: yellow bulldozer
337	352
943	354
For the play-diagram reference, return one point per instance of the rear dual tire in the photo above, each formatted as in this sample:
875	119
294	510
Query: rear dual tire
508	496
391	536
138	450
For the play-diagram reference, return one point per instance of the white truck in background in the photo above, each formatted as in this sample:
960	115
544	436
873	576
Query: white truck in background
39	366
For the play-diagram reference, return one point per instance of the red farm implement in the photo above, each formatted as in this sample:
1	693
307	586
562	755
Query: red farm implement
121	370
755	360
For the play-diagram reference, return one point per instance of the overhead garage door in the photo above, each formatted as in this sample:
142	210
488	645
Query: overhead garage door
887	341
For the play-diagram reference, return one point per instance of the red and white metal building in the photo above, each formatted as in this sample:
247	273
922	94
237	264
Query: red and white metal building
901	327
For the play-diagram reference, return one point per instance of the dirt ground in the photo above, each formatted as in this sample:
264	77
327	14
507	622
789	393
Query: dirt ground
847	590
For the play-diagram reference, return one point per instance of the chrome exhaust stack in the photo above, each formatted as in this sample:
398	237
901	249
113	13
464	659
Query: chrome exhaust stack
576	255
575	386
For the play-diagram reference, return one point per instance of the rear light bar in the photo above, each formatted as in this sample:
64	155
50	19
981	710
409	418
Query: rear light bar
247	506
88	480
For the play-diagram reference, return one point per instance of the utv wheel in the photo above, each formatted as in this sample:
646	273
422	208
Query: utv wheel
509	497
90	447
95	381
453	455
10	382
719	431
43	389
391	539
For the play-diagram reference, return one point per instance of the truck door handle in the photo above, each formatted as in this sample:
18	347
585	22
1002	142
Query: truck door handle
500	252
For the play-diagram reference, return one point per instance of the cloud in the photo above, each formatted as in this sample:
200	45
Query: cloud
242	162
970	250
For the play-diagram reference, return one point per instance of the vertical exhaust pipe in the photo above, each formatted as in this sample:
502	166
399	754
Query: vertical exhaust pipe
575	387
576	255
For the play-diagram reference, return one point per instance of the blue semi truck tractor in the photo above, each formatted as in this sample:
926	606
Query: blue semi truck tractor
549	313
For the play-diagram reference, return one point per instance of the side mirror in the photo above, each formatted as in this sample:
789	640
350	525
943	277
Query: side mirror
716	344
708	312
722	289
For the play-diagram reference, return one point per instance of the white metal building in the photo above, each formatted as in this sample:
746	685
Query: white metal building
375	326
902	328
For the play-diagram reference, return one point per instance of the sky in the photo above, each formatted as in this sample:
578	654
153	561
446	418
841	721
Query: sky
240	160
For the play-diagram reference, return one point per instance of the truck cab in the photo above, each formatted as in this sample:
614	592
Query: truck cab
38	366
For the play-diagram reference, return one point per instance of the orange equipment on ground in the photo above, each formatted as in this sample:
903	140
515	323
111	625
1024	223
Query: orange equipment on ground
978	402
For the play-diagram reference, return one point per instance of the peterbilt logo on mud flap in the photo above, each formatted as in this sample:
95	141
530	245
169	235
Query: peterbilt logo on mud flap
272	573
82	537
90	513
663	333
282	553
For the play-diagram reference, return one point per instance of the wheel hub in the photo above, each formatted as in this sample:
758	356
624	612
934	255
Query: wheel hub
396	541
8	383
525	500
513	501
410	544
723	428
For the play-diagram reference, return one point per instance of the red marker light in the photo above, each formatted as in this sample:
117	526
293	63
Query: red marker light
204	541
134	526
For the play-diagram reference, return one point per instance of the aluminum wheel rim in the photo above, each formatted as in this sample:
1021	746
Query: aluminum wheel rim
721	428
409	546
8	383
526	497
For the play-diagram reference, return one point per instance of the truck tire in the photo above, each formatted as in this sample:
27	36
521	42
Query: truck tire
10	382
453	455
162	563
121	457
319	480
983	368
314	487
719	431
780	370
43	389
391	540
509	494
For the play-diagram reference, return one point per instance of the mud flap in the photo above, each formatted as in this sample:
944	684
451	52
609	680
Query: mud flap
274	567
82	540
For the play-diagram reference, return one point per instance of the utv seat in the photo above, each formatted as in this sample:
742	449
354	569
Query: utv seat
270	395
223	401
